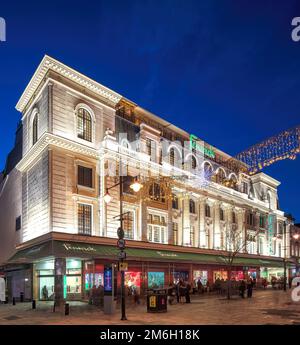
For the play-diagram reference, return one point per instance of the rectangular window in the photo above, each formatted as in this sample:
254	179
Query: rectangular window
233	217
127	182
85	219
157	230
245	187
262	221
174	202
151	149
18	223
221	214
207	210
250	219
85	176
128	225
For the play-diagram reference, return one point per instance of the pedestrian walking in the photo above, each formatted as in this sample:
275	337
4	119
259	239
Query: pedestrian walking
242	288
200	286
249	288
187	293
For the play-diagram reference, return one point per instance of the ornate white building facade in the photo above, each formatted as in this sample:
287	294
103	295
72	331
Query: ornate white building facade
72	151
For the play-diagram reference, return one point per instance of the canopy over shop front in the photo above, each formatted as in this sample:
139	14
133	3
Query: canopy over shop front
83	250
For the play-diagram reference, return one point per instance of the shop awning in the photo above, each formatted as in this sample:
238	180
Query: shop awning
90	251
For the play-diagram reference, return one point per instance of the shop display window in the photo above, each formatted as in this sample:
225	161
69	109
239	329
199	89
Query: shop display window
220	275
237	275
182	275
202	275
73	284
133	282
156	280
46	288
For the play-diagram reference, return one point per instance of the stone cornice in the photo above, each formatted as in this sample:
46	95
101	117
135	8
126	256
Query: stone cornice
49	63
48	139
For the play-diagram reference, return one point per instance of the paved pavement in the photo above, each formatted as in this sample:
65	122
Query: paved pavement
266	307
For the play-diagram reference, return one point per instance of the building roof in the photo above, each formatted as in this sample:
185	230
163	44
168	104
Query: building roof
49	63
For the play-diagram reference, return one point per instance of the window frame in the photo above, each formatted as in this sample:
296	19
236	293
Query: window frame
84	233
85	167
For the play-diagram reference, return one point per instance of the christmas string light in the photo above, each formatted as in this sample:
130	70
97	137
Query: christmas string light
285	145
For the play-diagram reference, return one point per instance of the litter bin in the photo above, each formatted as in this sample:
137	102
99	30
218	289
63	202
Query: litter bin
157	301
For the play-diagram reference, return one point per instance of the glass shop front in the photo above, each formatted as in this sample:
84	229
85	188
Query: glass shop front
44	280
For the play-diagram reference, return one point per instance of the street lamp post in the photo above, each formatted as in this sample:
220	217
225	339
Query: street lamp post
107	198
284	259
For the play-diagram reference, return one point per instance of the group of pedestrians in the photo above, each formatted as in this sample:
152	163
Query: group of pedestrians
246	285
179	292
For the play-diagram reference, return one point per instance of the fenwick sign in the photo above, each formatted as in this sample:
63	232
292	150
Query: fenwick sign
209	152
2	30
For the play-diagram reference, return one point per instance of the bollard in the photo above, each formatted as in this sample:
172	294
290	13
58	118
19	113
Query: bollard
21	297
14	301
6	300
33	304
54	307
67	309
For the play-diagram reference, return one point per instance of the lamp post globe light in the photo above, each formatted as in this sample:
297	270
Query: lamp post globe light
136	186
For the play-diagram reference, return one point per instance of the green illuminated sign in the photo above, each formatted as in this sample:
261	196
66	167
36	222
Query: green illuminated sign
201	148
65	287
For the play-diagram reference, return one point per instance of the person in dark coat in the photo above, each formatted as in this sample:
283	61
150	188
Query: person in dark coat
242	288
187	293
249	288
199	286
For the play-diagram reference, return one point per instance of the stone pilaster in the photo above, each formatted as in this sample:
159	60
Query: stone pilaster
216	226
201	222
143	224
186	230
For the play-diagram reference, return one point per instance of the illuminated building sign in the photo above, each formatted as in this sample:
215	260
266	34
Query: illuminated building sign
108	279
209	152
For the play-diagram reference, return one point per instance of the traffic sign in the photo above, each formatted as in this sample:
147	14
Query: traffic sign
123	266
121	244
120	233
122	255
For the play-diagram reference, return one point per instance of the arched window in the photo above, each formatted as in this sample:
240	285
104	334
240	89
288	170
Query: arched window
233	182
172	156
192	206
207	170
84	124
157	193
220	177
194	162
35	124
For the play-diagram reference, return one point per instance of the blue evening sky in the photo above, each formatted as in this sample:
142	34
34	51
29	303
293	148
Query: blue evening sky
227	71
